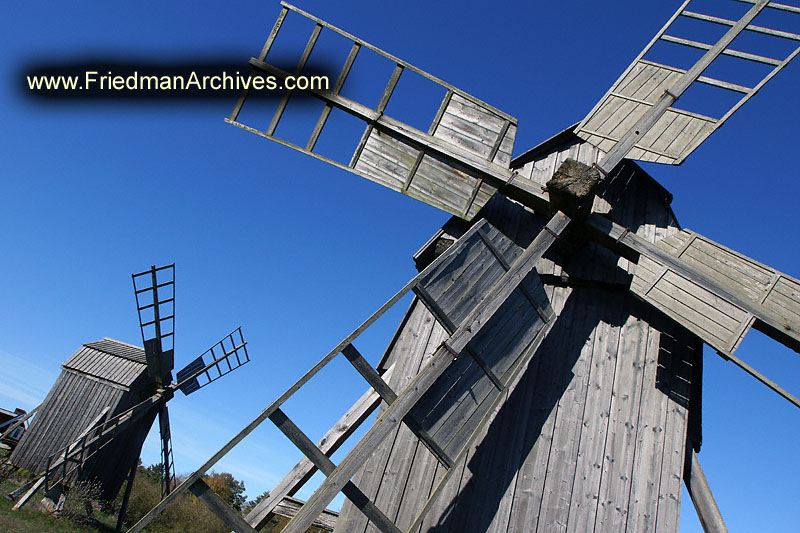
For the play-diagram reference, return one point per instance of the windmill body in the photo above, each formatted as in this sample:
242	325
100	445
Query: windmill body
547	375
593	436
94	421
105	377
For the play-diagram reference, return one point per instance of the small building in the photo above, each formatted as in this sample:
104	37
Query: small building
8	419
99	375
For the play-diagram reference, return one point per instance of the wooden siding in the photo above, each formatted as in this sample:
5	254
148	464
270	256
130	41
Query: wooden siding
73	402
593	436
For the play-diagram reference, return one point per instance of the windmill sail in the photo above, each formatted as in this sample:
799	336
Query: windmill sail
447	167
647	85
713	291
225	356
154	290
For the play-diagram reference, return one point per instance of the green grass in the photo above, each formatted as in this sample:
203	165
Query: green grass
30	520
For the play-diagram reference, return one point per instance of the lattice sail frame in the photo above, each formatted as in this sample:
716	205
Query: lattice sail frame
443	167
225	356
678	132
156	313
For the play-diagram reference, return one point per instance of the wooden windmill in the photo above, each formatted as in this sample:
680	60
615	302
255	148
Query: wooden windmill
547	374
93	422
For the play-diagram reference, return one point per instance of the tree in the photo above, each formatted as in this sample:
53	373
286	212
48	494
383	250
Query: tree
228	488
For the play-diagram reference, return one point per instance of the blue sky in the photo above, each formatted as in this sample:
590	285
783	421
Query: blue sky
299	253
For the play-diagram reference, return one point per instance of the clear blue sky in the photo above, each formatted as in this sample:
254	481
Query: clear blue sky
300	253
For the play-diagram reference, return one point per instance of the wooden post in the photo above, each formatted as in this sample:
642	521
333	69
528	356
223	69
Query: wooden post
126	496
218	506
700	492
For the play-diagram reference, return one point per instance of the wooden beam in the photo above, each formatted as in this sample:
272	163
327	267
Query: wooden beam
249	428
126	496
22	501
700	492
218	506
326	466
440	361
299	69
328	444
288	507
631	246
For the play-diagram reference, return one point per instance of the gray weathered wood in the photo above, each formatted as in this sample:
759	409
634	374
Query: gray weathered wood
27	496
422	382
702	498
288	507
217	505
705	279
326	466
328	444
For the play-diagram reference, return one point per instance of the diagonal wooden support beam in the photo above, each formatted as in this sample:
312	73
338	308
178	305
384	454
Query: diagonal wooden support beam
700	492
218	506
326	466
328	444
440	361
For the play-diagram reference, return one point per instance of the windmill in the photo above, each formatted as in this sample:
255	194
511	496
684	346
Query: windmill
93	423
546	253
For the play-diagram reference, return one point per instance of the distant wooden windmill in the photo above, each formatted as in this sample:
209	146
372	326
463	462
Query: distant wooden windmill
547	374
93	422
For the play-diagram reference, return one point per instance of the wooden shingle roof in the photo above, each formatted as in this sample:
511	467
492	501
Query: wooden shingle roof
110	360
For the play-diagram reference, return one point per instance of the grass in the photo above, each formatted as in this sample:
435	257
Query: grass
30	520
185	514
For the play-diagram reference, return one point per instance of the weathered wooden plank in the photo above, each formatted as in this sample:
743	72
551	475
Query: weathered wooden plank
326	466
418	487
396	475
329	443
583	507
312	40
29	494
627	243
469	128
527	499
700	300
700	492
562	460
288	507
502	346
677	309
465	140
231	518
468	110
618	462
480	429
679	380
650	433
